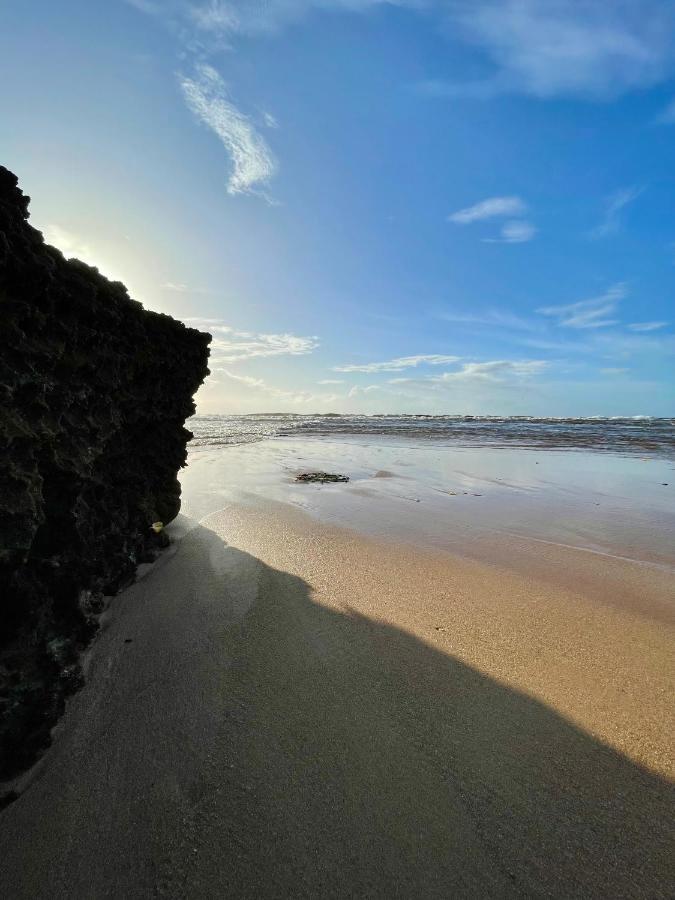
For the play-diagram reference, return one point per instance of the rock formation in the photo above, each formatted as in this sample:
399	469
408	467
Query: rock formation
94	393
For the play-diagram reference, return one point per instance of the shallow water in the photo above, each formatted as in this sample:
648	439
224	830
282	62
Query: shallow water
444	496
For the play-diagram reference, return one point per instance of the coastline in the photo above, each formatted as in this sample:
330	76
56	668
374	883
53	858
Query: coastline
284	705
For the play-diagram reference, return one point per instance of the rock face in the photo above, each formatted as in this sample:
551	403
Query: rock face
94	393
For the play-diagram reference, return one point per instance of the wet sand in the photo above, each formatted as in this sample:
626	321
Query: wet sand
285	707
447	497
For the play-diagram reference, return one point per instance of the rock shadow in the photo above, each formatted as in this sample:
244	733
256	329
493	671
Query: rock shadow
309	752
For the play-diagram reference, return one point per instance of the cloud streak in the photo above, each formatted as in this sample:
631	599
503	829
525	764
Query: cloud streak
229	346
592	48
488	209
515	232
596	312
490	318
647	326
293	397
180	287
399	364
614	206
496	370
252	161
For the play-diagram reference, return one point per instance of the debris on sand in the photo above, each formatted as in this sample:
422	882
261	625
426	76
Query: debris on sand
320	477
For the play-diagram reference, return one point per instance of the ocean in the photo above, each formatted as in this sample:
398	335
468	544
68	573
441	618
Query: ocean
637	436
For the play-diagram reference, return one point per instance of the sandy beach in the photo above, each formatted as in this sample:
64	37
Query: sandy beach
436	701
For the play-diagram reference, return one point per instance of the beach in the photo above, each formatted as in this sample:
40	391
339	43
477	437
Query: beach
451	676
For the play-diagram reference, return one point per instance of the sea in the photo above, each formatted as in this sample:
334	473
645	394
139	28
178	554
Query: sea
642	436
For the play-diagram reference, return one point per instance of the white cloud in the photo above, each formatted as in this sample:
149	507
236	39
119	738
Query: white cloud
597	343
252	161
357	391
514	232
497	374
488	209
590	48
611	220
518	232
647	326
331	381
228	18
292	397
230	346
180	287
591	313
614	371
495	370
215	16
596	49
398	365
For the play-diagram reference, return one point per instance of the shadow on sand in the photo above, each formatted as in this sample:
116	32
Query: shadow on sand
258	744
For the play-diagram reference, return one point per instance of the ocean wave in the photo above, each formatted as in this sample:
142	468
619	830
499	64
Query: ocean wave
633	435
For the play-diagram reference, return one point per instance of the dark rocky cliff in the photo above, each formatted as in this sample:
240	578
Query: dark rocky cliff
94	393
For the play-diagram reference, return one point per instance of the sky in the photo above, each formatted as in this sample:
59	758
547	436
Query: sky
424	206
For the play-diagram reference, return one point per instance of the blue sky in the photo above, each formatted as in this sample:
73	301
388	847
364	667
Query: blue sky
416	206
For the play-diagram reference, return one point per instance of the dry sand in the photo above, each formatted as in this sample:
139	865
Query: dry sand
305	712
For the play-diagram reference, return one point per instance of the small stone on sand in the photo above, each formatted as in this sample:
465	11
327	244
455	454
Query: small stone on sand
320	477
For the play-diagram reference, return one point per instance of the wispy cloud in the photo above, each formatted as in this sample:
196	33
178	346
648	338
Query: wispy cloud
614	370
515	232
180	287
647	326
592	48
286	396
495	370
488	209
595	49
331	381
492	318
230	346
592	313
229	18
357	390
597	343
253	163
399	364
497	373
614	205
269	120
